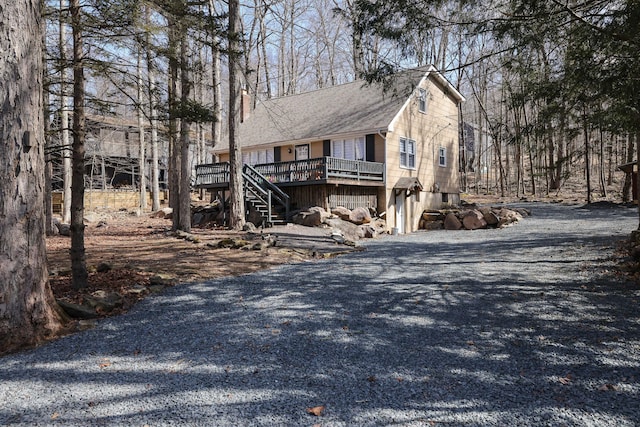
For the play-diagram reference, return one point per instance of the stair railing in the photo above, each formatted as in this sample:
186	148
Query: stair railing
265	191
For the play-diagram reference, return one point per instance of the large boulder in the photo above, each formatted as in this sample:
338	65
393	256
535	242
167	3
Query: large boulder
489	216
379	225
341	212
360	216
368	231
77	311
254	217
507	217
63	229
473	220
311	217
347	229
451	222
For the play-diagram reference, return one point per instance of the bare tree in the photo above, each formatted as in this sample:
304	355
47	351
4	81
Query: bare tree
184	198
64	117
236	213
78	256
28	312
141	129
152	97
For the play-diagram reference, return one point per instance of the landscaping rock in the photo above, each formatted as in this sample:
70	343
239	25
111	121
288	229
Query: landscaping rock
346	229
360	216
104	267
64	229
489	216
311	217
77	311
103	301
341	212
473	220
451	222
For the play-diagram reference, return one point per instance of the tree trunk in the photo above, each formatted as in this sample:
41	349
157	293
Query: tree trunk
174	152
28	312
531	151
587	159
153	120
236	210
603	181
64	119
263	46
141	147
78	256
637	138
626	188
216	126
184	197
49	226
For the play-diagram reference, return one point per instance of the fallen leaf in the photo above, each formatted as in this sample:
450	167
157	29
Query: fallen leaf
316	410
565	380
55	416
608	387
372	379
105	363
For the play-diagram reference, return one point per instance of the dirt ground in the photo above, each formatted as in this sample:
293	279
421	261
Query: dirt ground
136	250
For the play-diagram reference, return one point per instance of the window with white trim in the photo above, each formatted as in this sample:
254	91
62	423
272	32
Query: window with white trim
422	100
407	153
257	157
442	156
350	149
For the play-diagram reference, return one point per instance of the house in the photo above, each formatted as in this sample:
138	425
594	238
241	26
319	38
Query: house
112	170
391	148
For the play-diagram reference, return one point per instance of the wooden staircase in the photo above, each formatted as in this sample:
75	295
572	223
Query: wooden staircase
264	197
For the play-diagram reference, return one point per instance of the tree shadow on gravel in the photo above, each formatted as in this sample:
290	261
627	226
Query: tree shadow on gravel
413	331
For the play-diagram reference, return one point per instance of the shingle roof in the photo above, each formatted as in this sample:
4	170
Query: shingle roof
321	114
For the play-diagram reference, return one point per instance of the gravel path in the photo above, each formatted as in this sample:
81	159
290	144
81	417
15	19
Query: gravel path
521	327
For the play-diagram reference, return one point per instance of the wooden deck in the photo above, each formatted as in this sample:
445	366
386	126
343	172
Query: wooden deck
321	170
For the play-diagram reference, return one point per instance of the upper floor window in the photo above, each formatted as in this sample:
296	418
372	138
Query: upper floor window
442	156
350	149
407	153
422	100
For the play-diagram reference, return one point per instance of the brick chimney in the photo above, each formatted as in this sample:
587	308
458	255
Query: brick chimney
245	106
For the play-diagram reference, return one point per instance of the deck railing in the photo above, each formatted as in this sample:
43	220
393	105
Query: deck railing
212	174
321	168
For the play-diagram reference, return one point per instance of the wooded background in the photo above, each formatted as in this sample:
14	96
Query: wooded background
551	87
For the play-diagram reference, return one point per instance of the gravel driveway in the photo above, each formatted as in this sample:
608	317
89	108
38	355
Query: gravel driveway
523	326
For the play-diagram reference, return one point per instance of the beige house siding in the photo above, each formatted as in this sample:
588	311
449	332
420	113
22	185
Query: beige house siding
436	128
